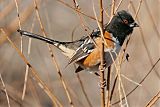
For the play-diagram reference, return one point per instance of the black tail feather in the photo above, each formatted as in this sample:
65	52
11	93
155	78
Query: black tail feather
39	37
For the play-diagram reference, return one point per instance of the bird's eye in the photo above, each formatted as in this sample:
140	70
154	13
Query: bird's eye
125	21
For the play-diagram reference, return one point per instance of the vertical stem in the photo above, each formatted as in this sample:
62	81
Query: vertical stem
109	68
108	86
54	59
102	55
113	8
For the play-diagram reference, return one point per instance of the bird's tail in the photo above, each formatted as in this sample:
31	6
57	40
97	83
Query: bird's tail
65	47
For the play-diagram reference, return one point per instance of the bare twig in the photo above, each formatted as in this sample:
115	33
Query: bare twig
27	68
124	93
83	90
19	22
109	68
152	19
34	73
7	10
13	26
113	88
140	81
119	84
4	87
119	4
80	81
153	100
145	45
122	56
130	80
108	86
15	97
53	58
113	8
33	90
101	67
91	17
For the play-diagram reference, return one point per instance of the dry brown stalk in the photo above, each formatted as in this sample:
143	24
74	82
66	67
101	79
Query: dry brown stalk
109	68
21	48
5	90
64	3
19	24
108	86
33	90
83	90
113	88
153	100
13	26
34	73
145	45
119	4
78	76
140	81
53	58
101	67
7	10
113	8
152	19
121	57
27	68
13	94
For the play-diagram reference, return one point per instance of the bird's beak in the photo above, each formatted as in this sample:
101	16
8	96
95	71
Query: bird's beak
134	24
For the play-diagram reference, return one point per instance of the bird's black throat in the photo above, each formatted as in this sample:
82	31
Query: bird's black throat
119	31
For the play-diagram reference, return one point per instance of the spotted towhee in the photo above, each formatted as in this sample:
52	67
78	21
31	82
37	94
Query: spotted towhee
85	53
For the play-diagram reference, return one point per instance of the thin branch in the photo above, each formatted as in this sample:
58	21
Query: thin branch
119	4
152	19
7	10
19	23
113	8
124	93
119	84
153	100
34	73
27	68
109	68
145	45
83	90
113	88
91	17
80	81
101	67
140	81
53	58
124	50
5	90
108	86
33	90
130	80
13	26
13	94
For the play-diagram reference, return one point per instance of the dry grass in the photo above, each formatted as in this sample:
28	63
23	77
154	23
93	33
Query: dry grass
33	73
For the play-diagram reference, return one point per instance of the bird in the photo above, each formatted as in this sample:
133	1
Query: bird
86	51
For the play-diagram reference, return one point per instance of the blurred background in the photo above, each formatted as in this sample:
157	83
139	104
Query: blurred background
61	22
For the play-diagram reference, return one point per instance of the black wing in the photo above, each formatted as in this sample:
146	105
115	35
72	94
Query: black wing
86	47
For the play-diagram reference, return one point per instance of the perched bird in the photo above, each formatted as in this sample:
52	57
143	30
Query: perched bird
85	53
